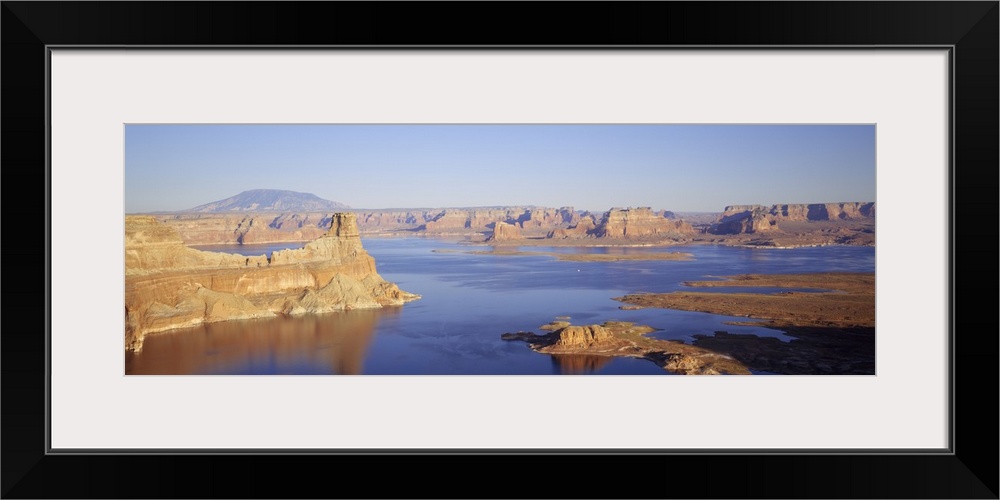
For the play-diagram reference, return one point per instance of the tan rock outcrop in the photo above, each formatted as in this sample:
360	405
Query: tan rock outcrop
583	228
625	339
168	285
505	232
583	336
752	219
638	224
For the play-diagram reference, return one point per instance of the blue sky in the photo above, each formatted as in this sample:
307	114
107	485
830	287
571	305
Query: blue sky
589	167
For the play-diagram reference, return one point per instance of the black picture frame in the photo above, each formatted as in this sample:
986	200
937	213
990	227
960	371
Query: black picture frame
969	28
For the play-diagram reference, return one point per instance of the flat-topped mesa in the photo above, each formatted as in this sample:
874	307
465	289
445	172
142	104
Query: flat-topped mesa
639	223
169	285
505	232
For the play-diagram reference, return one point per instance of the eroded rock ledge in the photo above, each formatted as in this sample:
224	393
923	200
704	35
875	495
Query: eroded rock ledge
169	285
624	339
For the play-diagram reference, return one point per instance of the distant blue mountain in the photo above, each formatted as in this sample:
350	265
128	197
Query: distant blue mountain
270	200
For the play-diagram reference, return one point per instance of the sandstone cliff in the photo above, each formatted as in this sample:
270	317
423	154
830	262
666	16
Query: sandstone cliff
168	285
533	220
505	232
582	229
639	224
744	220
272	227
750	219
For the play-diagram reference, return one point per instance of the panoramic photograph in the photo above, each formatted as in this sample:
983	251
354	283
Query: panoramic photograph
531	249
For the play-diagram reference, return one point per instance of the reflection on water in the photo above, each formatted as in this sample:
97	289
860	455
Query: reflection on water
334	343
570	364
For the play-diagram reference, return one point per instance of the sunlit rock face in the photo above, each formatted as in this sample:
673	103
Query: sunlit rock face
505	232
638	223
169	285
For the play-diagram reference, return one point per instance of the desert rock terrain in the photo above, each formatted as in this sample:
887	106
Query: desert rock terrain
169	285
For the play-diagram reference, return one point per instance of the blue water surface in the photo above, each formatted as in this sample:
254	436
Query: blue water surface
469	300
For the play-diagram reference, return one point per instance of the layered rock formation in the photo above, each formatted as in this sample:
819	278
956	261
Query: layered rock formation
533	222
548	218
505	232
754	219
582	229
807	212
639	224
168	285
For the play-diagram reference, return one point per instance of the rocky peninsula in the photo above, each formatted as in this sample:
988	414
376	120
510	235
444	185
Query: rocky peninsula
169	285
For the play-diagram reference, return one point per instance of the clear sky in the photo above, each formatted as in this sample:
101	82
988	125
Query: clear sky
692	168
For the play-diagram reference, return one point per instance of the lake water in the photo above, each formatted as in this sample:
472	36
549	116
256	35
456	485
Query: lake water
469	300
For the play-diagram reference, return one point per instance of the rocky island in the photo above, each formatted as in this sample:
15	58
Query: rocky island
169	285
624	339
832	329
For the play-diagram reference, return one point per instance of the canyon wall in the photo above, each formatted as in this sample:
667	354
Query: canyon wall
750	219
812	211
169	285
250	228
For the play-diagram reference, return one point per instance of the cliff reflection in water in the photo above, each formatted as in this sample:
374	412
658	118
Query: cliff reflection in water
571	364
334	343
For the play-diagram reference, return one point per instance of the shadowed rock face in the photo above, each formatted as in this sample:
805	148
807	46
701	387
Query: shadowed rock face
753	220
168	285
812	211
581	229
